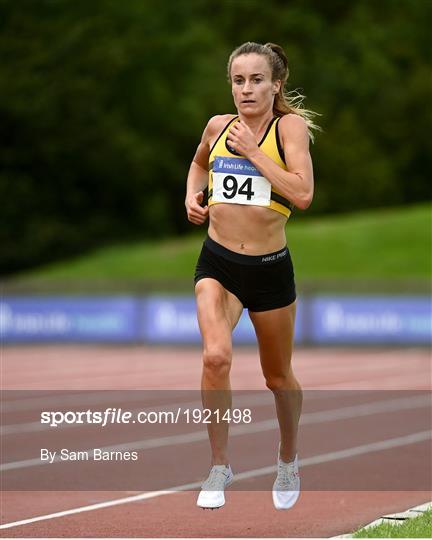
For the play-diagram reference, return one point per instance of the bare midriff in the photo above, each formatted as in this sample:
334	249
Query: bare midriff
250	230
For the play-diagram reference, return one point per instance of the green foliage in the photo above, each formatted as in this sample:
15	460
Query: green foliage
361	246
104	102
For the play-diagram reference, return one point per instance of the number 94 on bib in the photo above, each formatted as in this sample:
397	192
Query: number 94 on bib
237	180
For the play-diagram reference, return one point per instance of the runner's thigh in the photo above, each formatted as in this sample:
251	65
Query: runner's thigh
275	332
218	312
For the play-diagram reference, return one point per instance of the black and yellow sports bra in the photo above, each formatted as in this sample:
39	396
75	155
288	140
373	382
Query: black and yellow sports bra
234	179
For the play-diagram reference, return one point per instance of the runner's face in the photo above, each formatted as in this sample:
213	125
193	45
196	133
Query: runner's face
252	87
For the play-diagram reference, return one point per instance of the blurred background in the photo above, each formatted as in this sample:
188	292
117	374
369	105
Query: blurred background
102	106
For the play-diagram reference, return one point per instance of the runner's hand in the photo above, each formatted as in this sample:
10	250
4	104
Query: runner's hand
196	213
241	138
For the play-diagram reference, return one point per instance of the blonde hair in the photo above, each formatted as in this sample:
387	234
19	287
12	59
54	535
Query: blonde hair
285	102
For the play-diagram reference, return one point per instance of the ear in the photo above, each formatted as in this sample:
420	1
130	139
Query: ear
276	86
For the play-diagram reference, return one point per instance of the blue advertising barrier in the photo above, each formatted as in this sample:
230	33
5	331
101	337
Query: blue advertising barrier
369	320
45	319
173	320
169	320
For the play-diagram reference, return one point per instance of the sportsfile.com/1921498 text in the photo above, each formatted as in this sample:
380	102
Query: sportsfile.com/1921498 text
113	415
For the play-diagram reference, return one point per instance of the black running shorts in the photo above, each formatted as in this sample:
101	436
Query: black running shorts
260	282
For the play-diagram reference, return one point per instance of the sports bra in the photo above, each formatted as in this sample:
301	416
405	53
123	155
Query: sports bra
233	178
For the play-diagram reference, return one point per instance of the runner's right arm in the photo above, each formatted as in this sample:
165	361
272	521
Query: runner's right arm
197	178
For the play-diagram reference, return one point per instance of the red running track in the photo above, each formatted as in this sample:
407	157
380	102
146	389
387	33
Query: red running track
376	432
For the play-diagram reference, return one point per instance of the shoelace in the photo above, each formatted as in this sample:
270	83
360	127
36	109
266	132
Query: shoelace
216	480
287	476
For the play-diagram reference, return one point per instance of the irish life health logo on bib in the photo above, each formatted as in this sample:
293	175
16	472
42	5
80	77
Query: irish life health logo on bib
237	180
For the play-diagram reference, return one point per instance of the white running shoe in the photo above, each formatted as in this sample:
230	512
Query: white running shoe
212	493
286	489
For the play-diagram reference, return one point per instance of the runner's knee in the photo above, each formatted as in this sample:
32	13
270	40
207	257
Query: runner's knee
217	359
275	383
282	382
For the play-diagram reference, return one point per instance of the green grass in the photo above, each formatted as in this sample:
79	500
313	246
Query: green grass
418	527
380	244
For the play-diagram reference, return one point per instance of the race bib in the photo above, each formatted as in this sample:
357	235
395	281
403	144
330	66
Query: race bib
236	180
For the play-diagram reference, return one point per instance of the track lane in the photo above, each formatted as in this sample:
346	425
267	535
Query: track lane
143	518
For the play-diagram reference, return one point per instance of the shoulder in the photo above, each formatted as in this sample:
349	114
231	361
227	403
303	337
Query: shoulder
214	128
293	127
217	123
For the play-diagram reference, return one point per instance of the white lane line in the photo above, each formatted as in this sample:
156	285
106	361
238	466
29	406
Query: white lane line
397	383
377	446
79	398
86	397
355	411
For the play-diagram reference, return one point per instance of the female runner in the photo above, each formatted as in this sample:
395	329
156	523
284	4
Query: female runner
258	168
